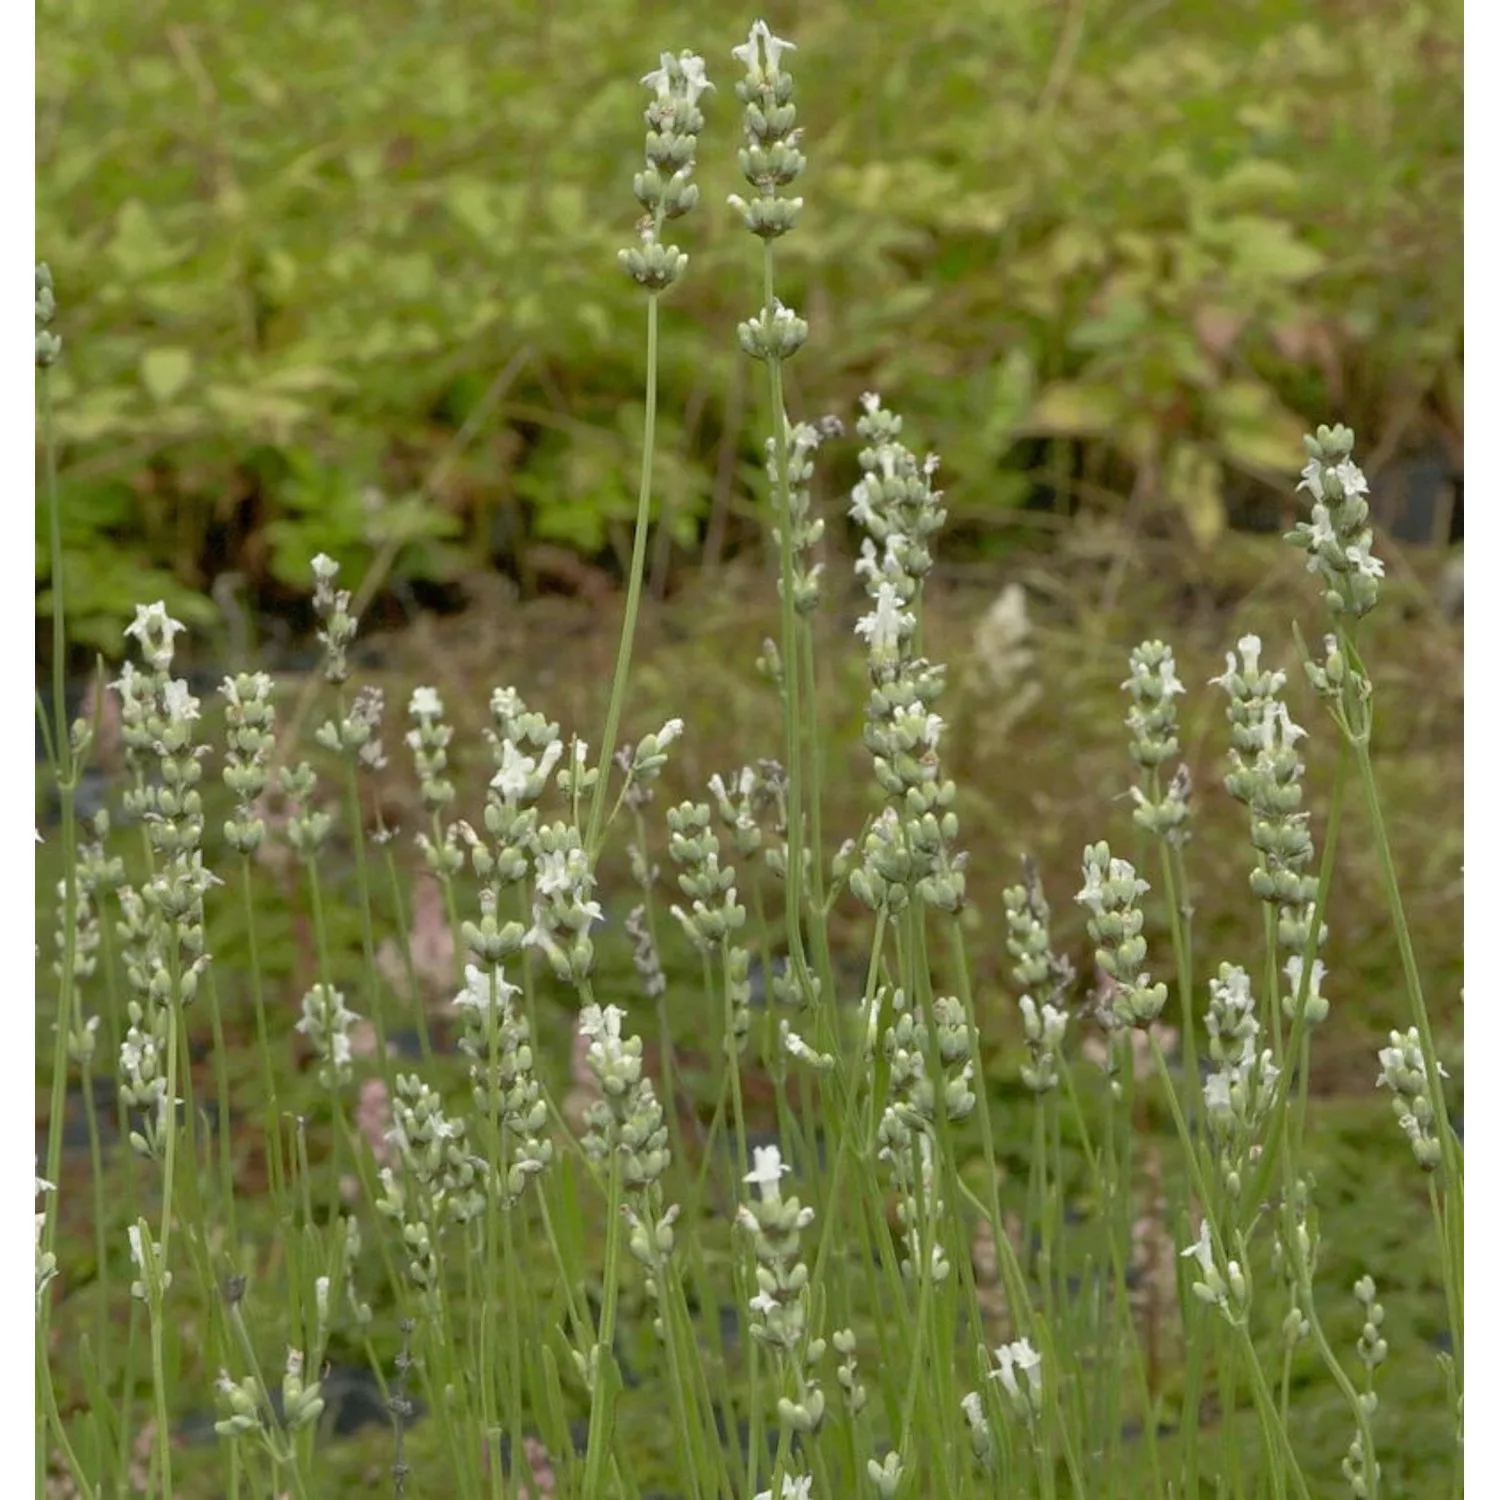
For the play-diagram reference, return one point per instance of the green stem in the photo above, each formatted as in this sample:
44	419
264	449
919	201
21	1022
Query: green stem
633	593
601	1407
791	675
1453	1269
1273	1434
64	772
221	1083
373	988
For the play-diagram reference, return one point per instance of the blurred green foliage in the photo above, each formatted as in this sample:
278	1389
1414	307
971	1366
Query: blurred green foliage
342	278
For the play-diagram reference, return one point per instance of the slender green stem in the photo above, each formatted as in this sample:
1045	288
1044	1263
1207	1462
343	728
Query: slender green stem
65	774
1340	1378
374	990
1273	1434
1453	1269
221	1084
51	1417
158	1369
791	674
61	744
601	1408
633	592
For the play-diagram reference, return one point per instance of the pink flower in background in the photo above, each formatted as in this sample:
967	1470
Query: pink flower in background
431	948
373	1116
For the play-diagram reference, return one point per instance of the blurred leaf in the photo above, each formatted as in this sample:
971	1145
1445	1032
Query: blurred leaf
95	416
1075	409
1269	249
138	247
1255	430
165	371
1193	483
1254	182
411	519
1120	322
472	202
258	415
1012	388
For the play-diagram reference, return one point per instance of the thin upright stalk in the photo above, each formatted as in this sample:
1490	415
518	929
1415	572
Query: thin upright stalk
633	591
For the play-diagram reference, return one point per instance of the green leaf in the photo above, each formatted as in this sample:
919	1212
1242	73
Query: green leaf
260	414
1012	391
1269	250
1121	323
472	202
1254	183
1193	482
1255	431
411	519
102	413
1075	408
138	248
165	372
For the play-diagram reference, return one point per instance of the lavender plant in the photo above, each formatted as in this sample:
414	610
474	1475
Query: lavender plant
539	1257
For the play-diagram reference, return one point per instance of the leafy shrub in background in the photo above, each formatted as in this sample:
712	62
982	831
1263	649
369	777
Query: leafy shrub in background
1114	250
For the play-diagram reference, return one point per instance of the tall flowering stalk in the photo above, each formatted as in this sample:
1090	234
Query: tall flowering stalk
1162	810
165	950
1337	540
779	1310
665	190
626	1131
62	752
771	161
353	735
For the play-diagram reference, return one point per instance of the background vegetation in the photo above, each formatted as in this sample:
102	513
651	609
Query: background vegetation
341	278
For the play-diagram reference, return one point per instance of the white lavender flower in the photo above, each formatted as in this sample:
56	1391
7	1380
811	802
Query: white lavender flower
981	1439
438	1180
497	1041
250	719
46	1261
1403	1070
563	909
154	631
779	1309
1025	1393
627	1122
1152	720
1111	891
803	440
885	1474
154	1281
1314	1003
715	913
337	627
326	1021
1337	538
48	344
770	159
793	1487
855	1394
664	187
301	1404
429	743
1266	775
644	763
740	802
1227	1289
244	1403
1239	1092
